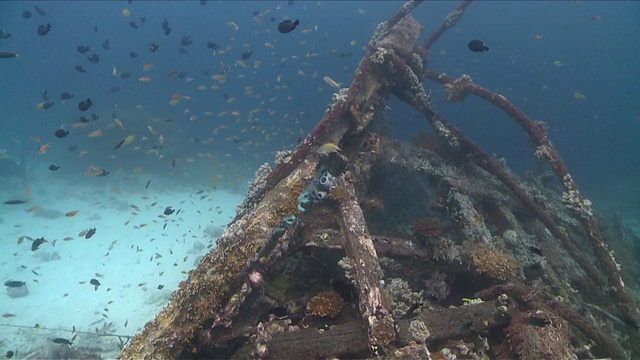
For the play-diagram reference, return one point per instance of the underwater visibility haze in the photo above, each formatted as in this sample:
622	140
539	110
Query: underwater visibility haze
131	130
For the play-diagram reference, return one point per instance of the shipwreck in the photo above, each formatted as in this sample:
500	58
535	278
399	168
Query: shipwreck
424	249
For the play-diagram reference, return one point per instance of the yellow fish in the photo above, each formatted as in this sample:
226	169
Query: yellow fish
128	139
328	148
126	12
579	96
331	82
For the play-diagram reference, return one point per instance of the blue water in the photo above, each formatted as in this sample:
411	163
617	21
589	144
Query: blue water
571	64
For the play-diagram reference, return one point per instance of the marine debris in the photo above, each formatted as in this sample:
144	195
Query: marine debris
428	249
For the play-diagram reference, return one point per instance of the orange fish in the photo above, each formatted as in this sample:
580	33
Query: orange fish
144	78
79	124
33	208
174	102
42	149
71	213
36	138
83	153
96	133
147	67
27	191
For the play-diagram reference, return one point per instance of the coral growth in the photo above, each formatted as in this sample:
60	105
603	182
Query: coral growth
446	250
427	228
458	89
327	303
538	335
495	264
436	286
403	297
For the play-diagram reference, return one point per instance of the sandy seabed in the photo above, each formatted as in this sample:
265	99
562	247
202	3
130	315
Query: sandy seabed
137	254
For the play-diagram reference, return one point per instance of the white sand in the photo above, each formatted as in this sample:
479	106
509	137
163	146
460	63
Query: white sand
129	260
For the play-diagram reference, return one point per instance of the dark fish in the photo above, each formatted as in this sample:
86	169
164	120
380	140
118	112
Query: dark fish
36	243
94	58
54	167
72	148
133	24
133	54
246	55
168	210
62	341
95	283
153	47
213	45
14	283
44	29
183	51
10	353
14	202
477	46
115	88
125	75
186	40
80	69
83	48
26	14
105	44
45	95
7	55
89	234
119	144
148	183
47	105
85	105
166	27
83	119
143	20
4	34
39	10
95	29
60	133
66	96
160	287
287	26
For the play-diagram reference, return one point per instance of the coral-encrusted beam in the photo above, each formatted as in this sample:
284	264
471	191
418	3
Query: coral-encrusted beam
448	22
572	196
365	268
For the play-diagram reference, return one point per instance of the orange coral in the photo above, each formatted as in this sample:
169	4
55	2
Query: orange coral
427	227
327	303
496	264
